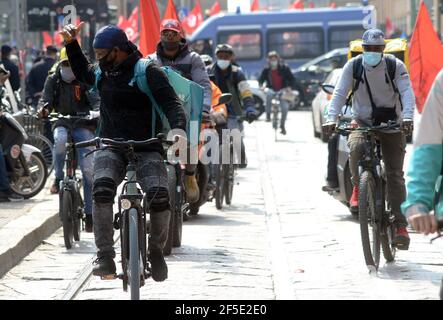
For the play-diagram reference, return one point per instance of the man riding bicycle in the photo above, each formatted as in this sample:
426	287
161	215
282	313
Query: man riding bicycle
377	99
62	93
426	165
126	113
277	76
231	79
173	51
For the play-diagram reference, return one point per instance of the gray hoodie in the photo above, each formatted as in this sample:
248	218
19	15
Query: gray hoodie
382	92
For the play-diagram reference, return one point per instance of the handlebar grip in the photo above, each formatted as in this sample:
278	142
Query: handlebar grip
86	144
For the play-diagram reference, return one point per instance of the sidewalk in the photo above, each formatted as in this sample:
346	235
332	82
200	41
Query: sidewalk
24	225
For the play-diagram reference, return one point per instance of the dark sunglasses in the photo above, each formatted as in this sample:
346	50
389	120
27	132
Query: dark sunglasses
172	33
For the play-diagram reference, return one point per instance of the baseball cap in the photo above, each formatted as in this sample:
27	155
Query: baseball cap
170	24
224	48
374	37
110	37
51	48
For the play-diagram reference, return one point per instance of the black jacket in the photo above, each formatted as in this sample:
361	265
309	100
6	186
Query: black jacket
125	111
14	78
69	99
284	71
36	79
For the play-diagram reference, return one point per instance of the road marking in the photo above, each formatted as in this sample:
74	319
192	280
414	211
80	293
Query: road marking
279	264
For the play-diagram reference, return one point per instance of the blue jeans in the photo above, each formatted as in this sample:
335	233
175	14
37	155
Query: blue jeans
284	107
60	139
4	181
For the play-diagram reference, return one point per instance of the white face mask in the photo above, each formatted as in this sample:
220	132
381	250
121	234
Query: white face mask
67	74
274	64
223	64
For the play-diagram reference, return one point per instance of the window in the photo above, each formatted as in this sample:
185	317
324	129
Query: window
297	44
327	65
247	45
339	37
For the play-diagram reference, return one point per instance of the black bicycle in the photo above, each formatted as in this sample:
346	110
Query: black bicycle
225	175
131	218
71	202
375	215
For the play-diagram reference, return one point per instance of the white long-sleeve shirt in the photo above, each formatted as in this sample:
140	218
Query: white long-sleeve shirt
382	91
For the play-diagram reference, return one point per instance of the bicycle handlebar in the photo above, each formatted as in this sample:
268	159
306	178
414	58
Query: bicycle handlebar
390	126
128	143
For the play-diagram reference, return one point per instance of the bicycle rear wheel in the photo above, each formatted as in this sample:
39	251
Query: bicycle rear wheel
220	181
369	220
134	255
66	215
46	147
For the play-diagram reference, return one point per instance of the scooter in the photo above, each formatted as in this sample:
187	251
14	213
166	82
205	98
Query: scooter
26	167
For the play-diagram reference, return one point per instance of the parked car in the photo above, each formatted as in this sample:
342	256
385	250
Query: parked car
320	103
312	74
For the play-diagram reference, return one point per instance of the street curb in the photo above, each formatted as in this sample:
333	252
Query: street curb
21	236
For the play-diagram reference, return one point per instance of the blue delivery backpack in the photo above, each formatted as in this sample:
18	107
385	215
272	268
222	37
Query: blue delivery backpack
189	92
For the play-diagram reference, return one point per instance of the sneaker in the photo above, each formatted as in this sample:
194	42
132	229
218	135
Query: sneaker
283	130
268	119
353	203
330	186
402	239
15	197
55	188
159	269
88	223
192	189
104	267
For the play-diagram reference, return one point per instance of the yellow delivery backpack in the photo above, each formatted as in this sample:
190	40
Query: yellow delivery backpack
397	47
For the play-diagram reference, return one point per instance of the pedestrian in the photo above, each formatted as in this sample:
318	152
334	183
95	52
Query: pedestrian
9	65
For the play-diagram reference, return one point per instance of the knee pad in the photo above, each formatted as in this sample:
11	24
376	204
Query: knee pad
104	190
158	199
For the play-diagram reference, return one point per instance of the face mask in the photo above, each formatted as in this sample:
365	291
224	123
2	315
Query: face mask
170	46
223	64
67	74
372	58
274	64
105	64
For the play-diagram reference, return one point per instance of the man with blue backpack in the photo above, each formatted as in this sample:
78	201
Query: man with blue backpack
128	111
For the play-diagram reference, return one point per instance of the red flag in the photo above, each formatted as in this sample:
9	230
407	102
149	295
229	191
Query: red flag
424	56
255	6
389	28
215	9
150	30
333	5
171	11
122	22
47	39
193	20
132	28
298	4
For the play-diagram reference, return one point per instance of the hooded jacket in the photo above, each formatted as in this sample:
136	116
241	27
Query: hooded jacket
126	112
190	65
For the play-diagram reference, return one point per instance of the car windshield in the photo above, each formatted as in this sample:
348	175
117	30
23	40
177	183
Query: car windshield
323	57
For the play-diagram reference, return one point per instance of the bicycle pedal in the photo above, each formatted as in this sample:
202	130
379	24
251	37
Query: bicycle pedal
111	277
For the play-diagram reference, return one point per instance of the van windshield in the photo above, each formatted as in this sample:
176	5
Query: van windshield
294	44
246	45
340	37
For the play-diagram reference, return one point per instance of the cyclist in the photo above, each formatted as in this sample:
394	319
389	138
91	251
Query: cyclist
126	112
62	93
173	50
231	79
377	99
426	164
277	76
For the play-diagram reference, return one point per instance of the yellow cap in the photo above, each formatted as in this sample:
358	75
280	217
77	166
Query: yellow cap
63	55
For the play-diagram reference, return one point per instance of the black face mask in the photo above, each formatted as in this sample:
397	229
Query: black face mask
105	64
170	46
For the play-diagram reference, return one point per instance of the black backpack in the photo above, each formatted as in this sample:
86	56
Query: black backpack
357	74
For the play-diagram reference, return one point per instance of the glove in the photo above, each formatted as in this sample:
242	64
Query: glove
251	114
328	128
42	113
408	126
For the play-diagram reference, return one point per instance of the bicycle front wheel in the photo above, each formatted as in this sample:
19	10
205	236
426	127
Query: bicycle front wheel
66	214
134	255
369	220
220	181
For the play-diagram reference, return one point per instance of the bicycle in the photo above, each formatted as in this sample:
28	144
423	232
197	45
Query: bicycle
275	102
225	176
72	204
131	217
374	208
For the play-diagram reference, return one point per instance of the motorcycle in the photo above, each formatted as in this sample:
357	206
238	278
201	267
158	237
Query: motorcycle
26	167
